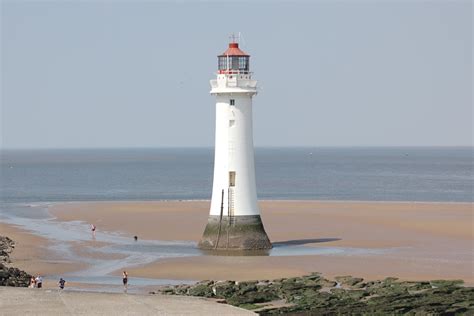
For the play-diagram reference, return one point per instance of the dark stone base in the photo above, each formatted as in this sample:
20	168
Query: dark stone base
241	233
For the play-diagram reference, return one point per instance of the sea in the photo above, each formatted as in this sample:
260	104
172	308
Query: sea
33	180
436	174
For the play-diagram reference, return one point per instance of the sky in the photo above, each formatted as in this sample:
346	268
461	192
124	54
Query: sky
91	74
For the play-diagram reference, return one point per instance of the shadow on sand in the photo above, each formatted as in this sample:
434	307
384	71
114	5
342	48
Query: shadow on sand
299	242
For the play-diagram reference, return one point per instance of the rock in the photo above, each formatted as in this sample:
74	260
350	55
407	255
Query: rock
269	292
168	291
205	282
10	276
245	287
182	289
327	283
446	283
416	286
389	280
224	289
388	290
313	276
279	280
249	298
348	280
382	297
6	247
289	287
201	290
357	294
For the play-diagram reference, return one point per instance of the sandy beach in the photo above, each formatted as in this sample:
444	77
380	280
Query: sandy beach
416	241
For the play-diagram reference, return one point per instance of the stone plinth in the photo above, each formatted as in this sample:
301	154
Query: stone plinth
235	233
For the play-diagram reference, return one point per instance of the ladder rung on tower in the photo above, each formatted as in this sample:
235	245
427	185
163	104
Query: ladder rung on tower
231	206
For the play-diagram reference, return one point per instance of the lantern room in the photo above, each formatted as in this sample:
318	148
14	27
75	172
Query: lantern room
233	61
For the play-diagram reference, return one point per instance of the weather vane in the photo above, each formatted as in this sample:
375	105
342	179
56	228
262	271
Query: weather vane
233	38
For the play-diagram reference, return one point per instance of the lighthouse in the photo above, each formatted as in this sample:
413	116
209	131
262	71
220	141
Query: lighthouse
234	221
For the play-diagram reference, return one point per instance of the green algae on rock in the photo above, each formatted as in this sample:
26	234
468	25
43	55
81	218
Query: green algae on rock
314	295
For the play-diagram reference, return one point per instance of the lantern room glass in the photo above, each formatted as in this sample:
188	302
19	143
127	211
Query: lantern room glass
233	64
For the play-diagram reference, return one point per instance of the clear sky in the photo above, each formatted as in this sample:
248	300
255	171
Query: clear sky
331	73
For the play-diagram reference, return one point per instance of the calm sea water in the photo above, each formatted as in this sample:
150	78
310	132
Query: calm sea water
374	174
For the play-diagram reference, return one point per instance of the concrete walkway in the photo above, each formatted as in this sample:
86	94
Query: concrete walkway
24	301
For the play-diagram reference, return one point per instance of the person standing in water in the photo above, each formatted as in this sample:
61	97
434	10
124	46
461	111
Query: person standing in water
61	283
125	281
93	229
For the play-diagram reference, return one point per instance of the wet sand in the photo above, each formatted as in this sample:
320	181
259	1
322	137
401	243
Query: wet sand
416	241
32	253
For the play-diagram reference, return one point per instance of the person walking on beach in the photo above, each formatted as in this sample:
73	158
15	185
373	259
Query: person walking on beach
125	281
39	282
61	283
32	283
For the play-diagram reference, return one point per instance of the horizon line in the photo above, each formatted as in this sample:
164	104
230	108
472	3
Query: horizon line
256	147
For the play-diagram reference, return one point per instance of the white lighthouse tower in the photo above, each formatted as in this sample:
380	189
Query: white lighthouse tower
234	222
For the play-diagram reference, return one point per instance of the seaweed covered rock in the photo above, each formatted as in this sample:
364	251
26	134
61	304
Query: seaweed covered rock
6	247
201	289
315	295
348	280
249	297
13	277
10	276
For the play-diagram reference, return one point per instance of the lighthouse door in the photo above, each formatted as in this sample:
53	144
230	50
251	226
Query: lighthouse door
232	178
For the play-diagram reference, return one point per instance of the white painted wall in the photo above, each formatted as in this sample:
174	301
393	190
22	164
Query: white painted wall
234	144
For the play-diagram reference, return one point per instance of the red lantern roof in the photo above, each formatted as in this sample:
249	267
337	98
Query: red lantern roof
234	50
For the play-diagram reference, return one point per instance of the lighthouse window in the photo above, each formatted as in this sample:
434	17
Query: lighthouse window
222	62
232	102
234	62
244	63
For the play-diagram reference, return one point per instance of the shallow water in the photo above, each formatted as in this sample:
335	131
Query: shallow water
129	253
